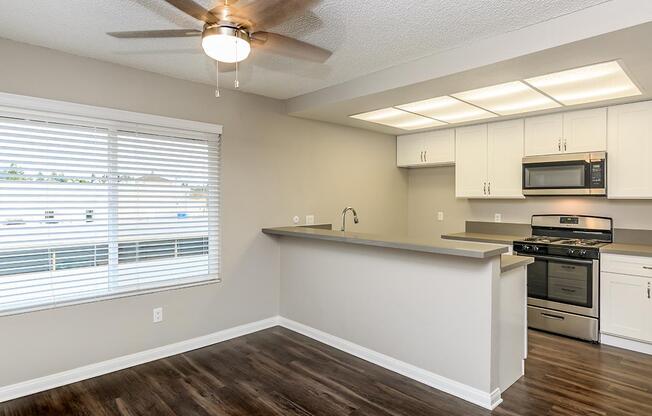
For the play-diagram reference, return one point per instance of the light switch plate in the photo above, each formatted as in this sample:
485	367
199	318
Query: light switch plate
440	216
310	219
498	217
295	219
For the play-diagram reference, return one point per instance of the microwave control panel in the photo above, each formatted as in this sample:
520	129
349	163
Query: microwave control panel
597	172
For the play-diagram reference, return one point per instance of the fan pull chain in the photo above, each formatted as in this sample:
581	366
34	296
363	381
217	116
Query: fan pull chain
237	82
217	79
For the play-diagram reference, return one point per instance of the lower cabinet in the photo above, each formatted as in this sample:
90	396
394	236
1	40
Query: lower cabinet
625	308
626	299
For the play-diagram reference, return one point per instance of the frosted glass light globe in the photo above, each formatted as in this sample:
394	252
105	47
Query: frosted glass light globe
226	44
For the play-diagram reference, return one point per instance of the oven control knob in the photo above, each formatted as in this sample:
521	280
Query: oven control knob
582	253
535	248
571	252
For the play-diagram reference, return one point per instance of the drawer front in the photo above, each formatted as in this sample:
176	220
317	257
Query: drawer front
562	323
631	265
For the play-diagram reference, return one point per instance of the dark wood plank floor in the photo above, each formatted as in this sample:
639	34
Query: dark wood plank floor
279	372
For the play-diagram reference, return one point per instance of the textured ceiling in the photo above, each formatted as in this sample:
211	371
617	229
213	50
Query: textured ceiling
366	36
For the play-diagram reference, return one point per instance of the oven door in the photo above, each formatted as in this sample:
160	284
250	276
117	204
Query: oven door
576	174
564	284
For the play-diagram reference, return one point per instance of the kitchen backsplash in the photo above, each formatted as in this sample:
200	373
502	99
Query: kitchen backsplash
432	190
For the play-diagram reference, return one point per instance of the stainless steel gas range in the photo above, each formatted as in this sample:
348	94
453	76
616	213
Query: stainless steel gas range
563	283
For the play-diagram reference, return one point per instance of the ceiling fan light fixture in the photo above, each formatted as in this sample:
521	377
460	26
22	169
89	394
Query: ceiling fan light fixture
226	44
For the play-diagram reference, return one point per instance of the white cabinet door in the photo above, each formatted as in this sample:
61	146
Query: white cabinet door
544	135
585	131
629	151
433	148
504	159
471	161
439	147
625	307
409	150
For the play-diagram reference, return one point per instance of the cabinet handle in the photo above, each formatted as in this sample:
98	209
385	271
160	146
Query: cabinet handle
421	156
485	188
565	143
557	317
648	290
559	144
425	155
489	188
647	267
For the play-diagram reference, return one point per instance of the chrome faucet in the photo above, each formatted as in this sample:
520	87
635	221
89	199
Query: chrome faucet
355	217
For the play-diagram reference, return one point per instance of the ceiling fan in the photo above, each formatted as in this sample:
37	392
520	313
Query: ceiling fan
230	32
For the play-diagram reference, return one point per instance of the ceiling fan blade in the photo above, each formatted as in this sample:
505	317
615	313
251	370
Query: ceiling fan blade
269	13
174	33
193	9
283	45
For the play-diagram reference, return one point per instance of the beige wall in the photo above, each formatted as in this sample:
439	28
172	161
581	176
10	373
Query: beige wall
433	189
274	167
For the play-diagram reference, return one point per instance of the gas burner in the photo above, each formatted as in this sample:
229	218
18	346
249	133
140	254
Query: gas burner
541	239
580	242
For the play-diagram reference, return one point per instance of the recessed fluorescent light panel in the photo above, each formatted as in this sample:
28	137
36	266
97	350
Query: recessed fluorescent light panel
588	84
448	109
397	118
509	98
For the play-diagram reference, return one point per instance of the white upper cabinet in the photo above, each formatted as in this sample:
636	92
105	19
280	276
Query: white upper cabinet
585	131
504	159
629	151
573	132
409	150
543	135
471	161
488	160
433	148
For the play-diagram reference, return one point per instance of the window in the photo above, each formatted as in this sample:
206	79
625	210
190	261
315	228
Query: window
92	209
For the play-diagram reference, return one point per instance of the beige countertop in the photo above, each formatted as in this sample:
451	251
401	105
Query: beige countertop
435	246
627	249
510	261
483	238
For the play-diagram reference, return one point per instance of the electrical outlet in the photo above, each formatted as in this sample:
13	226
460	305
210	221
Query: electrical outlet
157	315
295	219
498	217
440	216
310	219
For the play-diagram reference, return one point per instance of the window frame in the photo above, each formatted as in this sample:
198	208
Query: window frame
20	106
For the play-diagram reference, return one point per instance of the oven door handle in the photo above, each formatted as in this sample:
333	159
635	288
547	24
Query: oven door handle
560	259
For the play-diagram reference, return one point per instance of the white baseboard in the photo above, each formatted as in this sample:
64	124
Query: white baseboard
93	370
463	391
628	344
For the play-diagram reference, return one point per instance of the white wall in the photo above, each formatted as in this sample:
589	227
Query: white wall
433	189
274	167
400	303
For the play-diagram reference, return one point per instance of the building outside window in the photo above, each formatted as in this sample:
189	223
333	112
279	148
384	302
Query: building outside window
93	210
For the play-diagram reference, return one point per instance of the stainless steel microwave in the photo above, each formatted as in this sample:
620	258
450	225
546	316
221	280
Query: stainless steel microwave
566	174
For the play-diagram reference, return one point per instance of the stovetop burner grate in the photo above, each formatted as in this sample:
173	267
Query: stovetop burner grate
541	239
580	242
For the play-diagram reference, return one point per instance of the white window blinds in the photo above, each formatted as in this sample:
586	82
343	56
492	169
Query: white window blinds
95	210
